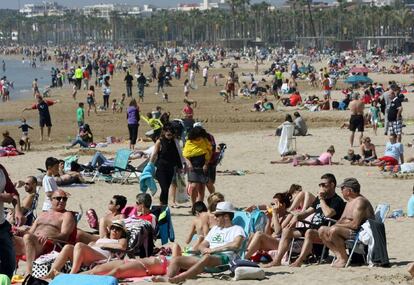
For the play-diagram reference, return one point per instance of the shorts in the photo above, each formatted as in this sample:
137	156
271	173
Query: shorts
45	121
211	173
389	160
356	122
90	101
395	127
327	93
197	176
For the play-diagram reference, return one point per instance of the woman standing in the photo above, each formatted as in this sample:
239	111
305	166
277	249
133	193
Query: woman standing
197	153
106	90
167	158
133	119
90	99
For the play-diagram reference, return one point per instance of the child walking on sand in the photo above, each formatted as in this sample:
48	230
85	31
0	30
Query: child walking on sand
24	141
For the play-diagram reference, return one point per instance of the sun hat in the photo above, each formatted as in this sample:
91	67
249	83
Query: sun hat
119	224
224	207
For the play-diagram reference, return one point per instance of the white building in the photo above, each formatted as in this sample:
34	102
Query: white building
205	5
44	9
105	10
377	3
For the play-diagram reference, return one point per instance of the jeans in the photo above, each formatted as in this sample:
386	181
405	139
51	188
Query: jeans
99	159
141	90
106	101
79	141
7	254
129	90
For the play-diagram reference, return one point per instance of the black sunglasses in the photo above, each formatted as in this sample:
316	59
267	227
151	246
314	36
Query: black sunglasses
64	199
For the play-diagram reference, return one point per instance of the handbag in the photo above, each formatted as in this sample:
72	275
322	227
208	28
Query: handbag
31	280
181	195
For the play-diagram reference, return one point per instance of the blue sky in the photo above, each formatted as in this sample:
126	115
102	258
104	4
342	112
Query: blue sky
78	3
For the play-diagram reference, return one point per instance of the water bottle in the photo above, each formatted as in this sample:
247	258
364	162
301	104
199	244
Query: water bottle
410	206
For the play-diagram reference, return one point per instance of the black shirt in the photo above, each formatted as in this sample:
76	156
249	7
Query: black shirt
393	110
43	109
335	203
128	79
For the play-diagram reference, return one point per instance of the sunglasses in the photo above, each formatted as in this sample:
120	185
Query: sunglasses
219	215
60	199
324	185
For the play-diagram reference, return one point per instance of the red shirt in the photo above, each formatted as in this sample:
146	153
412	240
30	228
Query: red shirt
9	188
185	67
294	99
48	102
188	111
111	67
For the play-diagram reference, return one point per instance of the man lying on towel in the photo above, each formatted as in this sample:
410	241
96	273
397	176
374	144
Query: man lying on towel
55	225
218	248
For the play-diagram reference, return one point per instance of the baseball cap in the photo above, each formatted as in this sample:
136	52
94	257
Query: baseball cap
351	183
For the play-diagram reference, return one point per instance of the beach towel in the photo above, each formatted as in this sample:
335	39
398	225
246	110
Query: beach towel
147	179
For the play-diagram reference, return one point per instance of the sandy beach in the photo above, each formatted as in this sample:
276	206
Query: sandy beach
251	145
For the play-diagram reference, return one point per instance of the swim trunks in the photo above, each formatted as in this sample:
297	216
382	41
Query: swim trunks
356	122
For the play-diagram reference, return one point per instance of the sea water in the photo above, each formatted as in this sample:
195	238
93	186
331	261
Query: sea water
22	75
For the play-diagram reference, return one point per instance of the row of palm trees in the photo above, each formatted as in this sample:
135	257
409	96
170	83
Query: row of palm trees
241	21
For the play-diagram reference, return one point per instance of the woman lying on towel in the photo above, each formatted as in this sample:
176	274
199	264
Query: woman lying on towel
305	159
83	254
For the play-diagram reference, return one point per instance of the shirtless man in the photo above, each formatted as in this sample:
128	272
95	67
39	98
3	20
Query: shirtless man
357	210
30	187
56	224
357	118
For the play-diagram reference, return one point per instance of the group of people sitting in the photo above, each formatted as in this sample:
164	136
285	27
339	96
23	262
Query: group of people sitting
213	239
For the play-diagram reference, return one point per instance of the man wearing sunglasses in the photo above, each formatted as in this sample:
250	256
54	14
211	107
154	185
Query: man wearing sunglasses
327	205
55	225
358	210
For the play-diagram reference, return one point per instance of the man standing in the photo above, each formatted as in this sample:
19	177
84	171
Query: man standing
141	80
78	77
8	194
49	183
44	115
394	116
128	82
357	210
56	224
357	118
327	205
205	75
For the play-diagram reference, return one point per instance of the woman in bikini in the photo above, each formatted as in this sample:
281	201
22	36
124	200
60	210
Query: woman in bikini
87	254
368	151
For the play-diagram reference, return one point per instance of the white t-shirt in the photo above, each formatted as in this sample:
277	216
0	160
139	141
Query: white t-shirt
221	236
49	185
2	185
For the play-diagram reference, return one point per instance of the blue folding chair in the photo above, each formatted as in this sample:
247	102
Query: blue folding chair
122	169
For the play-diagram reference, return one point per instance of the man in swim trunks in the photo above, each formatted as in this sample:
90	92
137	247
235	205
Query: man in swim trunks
56	224
357	118
357	210
44	115
219	246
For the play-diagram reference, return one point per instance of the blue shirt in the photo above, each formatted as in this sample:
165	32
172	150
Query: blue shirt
394	150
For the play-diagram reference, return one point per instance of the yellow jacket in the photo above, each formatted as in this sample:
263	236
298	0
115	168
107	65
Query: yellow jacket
198	147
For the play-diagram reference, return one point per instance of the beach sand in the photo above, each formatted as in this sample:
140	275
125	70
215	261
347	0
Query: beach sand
251	146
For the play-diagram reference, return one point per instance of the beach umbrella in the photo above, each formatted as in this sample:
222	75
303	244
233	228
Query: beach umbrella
359	70
355	79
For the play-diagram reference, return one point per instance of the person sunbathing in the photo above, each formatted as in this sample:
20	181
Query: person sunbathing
57	224
199	225
115	207
67	177
324	159
82	254
279	218
357	210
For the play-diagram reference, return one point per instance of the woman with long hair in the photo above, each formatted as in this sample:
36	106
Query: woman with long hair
167	158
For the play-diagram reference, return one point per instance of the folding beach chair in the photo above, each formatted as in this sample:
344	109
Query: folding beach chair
355	245
31	214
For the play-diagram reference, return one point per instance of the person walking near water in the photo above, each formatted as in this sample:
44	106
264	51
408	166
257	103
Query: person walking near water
44	115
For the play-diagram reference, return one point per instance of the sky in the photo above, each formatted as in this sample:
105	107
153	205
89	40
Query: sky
13	4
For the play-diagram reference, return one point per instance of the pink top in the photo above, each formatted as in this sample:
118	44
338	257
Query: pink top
325	158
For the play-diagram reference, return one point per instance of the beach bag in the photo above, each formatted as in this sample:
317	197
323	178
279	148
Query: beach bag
181	195
83	279
43	264
30	280
140	238
246	270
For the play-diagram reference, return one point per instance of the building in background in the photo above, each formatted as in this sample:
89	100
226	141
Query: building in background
43	9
